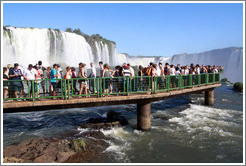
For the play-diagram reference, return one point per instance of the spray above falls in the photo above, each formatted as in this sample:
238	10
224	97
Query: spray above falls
29	45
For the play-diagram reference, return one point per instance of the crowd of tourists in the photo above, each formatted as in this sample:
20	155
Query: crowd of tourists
39	73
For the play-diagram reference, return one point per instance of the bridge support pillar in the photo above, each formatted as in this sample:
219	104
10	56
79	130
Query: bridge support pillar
209	97
144	116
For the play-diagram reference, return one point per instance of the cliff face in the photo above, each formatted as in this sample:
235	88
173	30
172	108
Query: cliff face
29	45
231	58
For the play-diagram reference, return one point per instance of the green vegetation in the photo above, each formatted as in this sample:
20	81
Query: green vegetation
224	80
238	86
94	37
7	32
78	145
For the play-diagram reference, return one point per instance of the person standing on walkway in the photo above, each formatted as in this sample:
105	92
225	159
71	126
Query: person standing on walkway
53	77
92	82
15	74
29	75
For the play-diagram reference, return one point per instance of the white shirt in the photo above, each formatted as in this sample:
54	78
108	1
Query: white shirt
186	72
172	71
60	73
177	72
158	71
93	71
198	70
29	74
132	71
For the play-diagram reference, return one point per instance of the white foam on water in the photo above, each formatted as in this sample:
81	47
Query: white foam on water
82	130
121	146
226	100
210	120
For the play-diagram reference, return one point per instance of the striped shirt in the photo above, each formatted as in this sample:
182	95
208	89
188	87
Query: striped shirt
126	72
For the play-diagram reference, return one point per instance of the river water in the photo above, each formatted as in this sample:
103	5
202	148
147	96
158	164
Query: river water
183	129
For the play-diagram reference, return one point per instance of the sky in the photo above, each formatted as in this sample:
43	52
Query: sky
149	29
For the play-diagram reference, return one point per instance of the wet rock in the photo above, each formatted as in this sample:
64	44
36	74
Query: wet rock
44	159
105	123
11	151
62	156
40	150
12	160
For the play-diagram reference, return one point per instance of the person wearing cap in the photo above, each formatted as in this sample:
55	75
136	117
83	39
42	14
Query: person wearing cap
15	86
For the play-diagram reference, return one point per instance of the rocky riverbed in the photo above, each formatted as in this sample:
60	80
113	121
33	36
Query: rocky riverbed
75	148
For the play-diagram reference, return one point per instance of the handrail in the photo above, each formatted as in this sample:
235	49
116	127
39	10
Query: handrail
100	87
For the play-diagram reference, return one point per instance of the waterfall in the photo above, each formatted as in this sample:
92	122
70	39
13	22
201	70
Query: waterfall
29	45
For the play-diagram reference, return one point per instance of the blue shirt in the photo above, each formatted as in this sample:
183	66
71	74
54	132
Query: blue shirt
12	71
52	75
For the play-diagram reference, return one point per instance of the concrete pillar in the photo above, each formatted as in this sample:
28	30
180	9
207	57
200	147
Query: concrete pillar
144	116
209	97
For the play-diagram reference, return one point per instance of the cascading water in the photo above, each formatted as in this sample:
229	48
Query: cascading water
29	45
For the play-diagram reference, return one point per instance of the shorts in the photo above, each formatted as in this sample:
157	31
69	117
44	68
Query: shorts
54	84
35	87
43	83
107	82
5	88
58	85
16	85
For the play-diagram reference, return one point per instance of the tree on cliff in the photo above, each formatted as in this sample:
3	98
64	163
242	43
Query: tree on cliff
69	30
78	32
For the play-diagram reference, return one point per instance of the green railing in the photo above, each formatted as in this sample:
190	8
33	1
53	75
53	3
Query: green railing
99	87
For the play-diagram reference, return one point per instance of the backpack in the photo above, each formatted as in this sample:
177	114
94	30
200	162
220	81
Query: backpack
148	71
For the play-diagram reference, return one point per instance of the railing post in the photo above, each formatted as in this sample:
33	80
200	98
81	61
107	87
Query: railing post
68	88
47	86
213	77
94	85
33	91
156	84
65	86
127	85
100	86
199	79
98	90
72	86
218	77
130	83
206	78
152	86
28	87
180	81
190	80
167	83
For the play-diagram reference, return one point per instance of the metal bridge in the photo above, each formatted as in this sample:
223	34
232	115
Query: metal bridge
121	90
